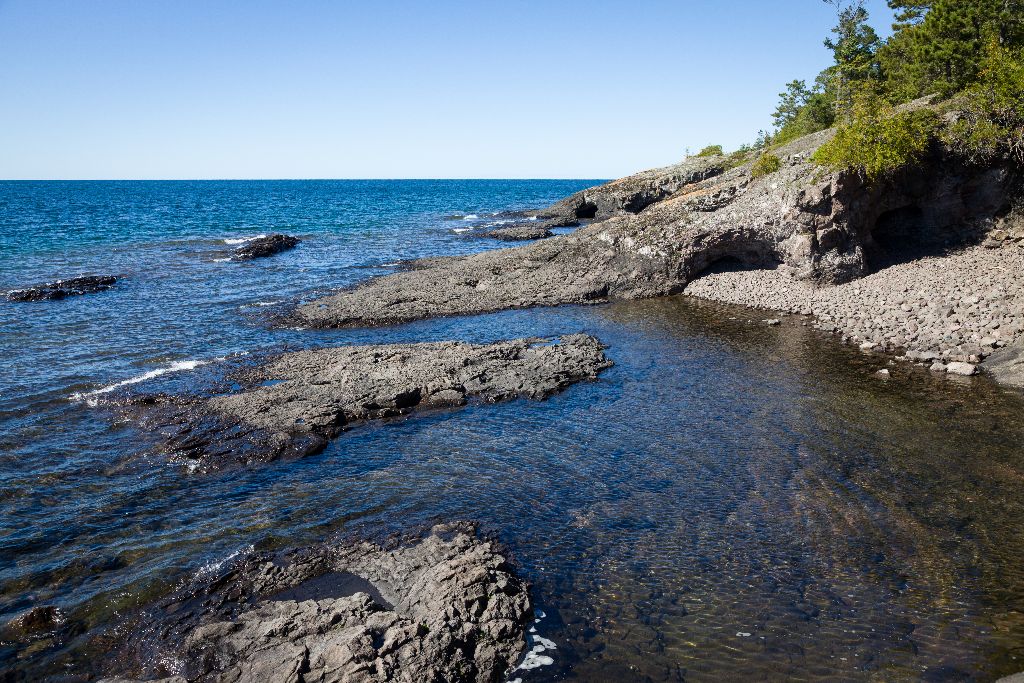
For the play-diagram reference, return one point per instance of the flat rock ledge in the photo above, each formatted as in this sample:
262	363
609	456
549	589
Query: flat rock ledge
447	607
62	289
519	232
298	401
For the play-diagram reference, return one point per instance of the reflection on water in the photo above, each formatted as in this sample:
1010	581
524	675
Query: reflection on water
731	501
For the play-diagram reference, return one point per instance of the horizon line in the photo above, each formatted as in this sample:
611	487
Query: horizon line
157	180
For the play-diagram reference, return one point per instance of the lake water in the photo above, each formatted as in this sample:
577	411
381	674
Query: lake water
731	501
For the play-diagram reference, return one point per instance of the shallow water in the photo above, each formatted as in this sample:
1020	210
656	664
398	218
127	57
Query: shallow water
731	501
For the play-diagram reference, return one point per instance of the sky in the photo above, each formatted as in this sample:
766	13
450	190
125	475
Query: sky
102	89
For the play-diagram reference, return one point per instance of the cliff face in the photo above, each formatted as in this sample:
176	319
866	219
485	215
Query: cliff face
654	232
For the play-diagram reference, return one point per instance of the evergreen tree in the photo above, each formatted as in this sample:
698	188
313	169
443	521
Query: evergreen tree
791	102
853	48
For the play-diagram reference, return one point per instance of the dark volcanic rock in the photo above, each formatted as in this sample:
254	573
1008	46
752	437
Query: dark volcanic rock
266	246
300	400
61	289
518	232
445	608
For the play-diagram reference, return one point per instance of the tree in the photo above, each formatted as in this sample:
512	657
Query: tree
854	49
791	102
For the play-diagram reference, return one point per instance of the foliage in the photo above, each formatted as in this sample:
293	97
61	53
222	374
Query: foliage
791	101
991	112
766	163
816	114
711	151
939	45
853	49
878	140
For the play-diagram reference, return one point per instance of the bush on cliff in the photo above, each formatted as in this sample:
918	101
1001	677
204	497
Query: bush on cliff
711	151
989	121
765	165
877	140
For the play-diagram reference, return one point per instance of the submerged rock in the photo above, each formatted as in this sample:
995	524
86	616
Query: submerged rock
297	402
61	289
447	607
268	245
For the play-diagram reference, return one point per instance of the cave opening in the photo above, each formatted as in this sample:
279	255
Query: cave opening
900	235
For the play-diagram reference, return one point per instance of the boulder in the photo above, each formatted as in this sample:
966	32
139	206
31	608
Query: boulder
261	247
446	607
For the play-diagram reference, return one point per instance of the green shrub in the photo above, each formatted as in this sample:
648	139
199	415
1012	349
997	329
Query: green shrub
990	114
878	140
711	151
765	164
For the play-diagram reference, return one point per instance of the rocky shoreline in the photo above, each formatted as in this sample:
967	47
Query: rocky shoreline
924	264
949	312
294	404
445	607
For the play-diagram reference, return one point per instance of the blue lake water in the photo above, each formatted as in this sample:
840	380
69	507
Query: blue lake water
729	502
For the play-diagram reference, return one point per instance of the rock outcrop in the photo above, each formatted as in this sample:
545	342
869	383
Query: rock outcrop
445	608
518	232
268	245
61	289
655	232
296	403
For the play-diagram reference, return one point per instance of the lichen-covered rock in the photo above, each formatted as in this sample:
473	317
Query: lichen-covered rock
446	608
297	402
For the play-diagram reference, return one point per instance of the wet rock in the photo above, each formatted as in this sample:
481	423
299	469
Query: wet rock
295	403
61	289
447	607
36	621
268	245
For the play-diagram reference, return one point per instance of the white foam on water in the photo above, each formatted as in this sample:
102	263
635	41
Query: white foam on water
391	265
221	260
214	567
470	217
535	658
532	218
241	240
178	366
461	229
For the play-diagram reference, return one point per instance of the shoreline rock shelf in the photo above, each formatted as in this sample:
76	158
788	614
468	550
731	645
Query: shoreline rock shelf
298	401
447	607
926	262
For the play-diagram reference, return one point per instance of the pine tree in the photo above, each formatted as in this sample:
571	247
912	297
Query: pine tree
854	49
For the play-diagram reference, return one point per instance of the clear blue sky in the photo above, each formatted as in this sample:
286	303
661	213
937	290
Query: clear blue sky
391	89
